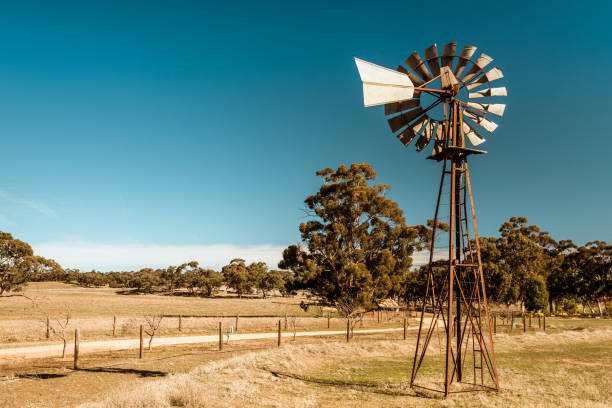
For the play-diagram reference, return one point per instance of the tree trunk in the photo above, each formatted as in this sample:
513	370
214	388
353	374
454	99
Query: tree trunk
150	341
64	349
590	308
599	307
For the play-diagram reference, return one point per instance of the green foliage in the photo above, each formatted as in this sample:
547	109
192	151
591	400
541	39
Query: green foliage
14	256
146	280
237	277
19	265
357	246
201	281
524	251
536	294
569	306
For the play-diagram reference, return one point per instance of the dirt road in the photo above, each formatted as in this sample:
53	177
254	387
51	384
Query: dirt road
109	345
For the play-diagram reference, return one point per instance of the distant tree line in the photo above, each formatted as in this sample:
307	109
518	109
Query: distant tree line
526	267
192	279
356	250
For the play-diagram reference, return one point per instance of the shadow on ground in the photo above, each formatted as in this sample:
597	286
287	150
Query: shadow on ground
115	370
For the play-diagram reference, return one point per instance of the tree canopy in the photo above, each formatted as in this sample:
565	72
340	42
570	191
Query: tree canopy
357	246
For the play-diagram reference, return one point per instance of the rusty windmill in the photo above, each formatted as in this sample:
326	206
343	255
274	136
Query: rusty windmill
447	98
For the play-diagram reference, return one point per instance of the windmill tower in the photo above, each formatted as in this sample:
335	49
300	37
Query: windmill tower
447	98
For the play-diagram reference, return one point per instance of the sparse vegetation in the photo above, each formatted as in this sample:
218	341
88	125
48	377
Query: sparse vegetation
564	369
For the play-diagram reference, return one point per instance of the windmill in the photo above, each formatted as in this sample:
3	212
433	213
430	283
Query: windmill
446	99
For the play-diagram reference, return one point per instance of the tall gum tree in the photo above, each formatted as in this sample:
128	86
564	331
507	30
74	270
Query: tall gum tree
357	248
19	265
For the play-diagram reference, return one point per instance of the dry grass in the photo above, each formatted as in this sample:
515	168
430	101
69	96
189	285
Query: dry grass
106	302
93	310
535	370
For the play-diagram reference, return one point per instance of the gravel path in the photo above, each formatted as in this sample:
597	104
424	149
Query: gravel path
109	345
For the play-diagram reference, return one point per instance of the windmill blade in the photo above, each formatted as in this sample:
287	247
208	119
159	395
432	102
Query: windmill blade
494	108
415	62
478	66
471	134
415	79
439	142
399	121
420	124
406	136
433	61
411	131
489	92
490	76
425	138
383	85
486	124
448	54
397	107
464	57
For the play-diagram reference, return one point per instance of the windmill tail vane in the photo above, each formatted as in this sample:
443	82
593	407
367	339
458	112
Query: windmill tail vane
447	99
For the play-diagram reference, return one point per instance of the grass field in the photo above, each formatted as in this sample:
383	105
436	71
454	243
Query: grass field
569	365
92	311
563	369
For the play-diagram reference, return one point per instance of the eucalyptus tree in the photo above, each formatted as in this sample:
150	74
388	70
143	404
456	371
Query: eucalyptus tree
237	276
357	247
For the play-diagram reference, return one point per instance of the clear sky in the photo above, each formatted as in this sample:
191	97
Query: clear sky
146	133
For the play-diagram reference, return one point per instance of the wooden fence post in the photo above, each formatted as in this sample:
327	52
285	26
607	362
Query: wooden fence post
48	333
279	333
524	324
141	341
286	324
544	321
529	319
328	316
114	325
539	321
348	329
494	323
405	327
180	323
76	349
237	317
220	336
379	316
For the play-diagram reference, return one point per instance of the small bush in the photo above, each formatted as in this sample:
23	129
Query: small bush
569	306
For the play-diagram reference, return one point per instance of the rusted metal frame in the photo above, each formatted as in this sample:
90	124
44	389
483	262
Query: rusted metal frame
479	326
427	109
480	340
464	354
474	354
484	292
451	266
467	228
433	326
429	273
439	311
457	233
482	389
442	91
469	308
415	365
428	82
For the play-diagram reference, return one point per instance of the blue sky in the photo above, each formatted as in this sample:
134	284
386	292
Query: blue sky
139	133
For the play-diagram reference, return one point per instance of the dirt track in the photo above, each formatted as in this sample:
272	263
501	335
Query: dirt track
109	345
